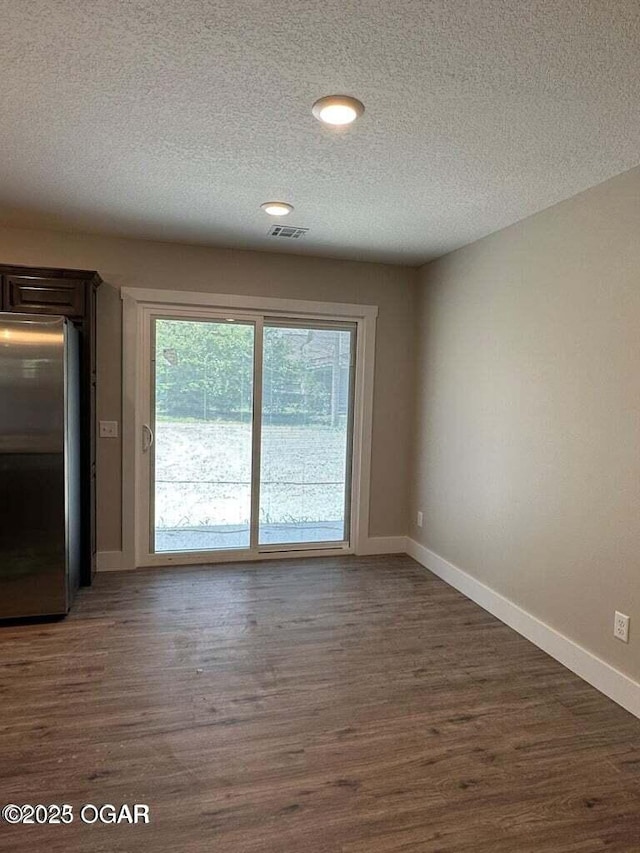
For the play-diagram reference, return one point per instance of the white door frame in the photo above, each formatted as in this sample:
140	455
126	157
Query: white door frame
138	305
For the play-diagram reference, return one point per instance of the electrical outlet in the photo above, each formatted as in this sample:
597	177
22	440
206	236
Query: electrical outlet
419	519
621	627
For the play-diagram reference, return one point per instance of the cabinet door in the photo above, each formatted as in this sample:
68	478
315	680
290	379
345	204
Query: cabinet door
36	295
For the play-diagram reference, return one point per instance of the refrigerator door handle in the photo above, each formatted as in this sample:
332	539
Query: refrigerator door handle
147	437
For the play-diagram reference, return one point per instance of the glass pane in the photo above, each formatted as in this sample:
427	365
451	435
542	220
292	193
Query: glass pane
203	427
305	435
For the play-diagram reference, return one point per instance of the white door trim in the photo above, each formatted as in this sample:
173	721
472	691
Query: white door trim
138	303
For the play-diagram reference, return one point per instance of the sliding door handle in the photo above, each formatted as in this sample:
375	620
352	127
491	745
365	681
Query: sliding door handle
147	437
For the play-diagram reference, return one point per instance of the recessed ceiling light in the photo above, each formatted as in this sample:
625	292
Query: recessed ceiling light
276	208
337	110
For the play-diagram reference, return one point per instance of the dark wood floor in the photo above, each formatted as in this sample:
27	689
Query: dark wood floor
352	705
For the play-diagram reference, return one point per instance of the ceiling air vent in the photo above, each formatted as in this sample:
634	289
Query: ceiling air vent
287	231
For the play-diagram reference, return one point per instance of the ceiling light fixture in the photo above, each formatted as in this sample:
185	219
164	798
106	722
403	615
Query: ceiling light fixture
337	110
276	208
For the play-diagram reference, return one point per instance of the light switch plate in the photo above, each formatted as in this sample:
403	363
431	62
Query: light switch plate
108	429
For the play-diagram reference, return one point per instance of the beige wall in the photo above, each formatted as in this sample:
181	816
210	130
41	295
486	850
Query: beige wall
527	460
137	263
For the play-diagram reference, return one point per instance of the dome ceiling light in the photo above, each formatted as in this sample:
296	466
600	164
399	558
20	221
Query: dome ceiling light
276	208
337	110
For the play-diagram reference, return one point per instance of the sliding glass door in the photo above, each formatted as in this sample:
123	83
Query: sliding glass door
203	414
250	433
306	426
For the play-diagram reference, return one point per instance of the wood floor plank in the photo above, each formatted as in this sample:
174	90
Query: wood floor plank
311	706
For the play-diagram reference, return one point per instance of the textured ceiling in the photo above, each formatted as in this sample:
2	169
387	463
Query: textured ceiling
175	120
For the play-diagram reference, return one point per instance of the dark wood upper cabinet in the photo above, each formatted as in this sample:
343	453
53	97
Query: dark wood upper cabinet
39	295
68	293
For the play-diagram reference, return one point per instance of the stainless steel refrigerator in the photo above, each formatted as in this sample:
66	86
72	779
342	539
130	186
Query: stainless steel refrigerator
39	465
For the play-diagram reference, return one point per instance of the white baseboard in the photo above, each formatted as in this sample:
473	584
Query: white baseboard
383	545
109	561
601	675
